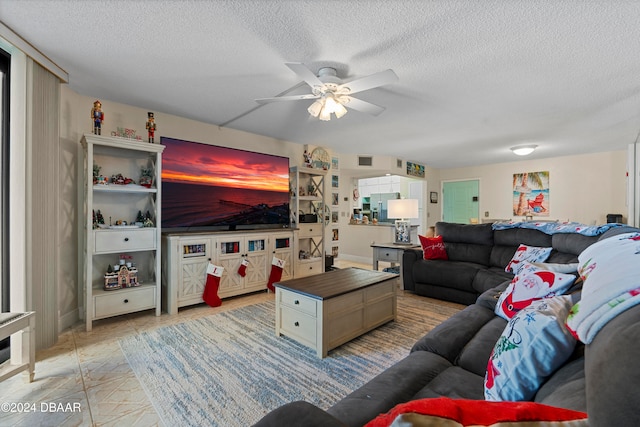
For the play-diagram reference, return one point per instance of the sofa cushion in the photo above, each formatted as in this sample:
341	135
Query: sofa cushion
454	382
396	384
433	248
565	388
507	241
489	278
475	355
444	411
526	253
467	242
456	275
449	338
533	345
531	284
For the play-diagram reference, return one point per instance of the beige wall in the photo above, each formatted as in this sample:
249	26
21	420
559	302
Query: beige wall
75	121
583	188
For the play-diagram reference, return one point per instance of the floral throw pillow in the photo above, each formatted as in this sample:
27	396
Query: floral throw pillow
533	345
433	247
531	284
527	253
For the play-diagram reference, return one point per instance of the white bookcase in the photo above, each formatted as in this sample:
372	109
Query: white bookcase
308	189
103	245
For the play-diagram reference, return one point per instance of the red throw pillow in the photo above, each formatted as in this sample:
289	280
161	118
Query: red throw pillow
433	247
463	412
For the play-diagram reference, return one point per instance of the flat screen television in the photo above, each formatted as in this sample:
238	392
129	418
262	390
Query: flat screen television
208	187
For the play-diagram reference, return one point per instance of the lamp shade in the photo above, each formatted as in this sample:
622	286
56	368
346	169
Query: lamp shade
402	208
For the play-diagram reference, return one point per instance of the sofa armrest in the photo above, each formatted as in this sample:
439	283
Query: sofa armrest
409	258
299	414
613	373
449	338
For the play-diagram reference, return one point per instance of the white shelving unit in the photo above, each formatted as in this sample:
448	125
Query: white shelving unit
102	247
308	187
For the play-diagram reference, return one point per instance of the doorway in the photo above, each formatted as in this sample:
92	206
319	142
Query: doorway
460	201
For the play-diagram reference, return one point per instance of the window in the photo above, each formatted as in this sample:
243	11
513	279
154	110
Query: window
5	60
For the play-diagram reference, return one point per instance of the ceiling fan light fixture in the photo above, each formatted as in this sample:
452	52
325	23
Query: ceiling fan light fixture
523	150
315	108
340	110
325	114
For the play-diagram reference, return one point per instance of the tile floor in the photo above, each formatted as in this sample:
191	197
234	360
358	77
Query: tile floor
85	380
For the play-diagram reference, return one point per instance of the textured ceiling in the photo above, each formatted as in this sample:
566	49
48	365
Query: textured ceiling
476	77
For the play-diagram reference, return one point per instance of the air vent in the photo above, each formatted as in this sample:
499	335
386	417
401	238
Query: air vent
365	161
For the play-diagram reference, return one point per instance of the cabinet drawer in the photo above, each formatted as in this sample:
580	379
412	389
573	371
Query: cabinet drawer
389	255
310	230
298	325
125	240
308	268
124	301
381	290
298	302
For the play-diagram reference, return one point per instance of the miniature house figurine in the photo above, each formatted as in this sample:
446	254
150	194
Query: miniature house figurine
128	276
111	280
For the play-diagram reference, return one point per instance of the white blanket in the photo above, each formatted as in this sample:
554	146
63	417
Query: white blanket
611	273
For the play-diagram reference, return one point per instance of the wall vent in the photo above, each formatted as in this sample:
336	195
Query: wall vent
365	161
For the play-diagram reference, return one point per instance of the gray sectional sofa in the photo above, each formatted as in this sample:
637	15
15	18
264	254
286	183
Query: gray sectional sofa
601	378
478	256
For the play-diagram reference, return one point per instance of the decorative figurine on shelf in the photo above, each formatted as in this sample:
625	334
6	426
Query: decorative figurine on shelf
99	217
96	173
121	180
307	159
151	126
97	116
111	280
139	218
148	222
146	177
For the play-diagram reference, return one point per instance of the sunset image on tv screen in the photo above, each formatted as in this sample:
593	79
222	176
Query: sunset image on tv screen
207	186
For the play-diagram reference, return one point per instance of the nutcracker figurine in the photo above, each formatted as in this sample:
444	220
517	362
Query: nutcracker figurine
97	116
151	126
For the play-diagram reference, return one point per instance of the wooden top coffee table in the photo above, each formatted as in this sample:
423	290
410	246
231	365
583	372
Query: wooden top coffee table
327	310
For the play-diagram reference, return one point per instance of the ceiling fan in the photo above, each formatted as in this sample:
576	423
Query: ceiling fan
331	95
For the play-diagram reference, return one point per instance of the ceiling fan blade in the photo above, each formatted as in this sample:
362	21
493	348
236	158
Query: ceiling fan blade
304	73
364	106
286	98
369	82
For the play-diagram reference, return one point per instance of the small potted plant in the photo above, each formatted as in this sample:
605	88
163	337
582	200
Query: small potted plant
146	177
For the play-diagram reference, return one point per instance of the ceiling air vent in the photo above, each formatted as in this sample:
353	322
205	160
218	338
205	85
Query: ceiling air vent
365	161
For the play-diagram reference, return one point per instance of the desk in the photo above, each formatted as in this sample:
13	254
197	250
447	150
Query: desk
23	357
390	252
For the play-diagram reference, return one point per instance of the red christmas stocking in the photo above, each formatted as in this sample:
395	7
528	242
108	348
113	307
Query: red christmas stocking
242	270
276	273
210	294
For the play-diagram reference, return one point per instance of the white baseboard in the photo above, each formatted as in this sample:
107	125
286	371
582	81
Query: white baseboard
355	258
68	320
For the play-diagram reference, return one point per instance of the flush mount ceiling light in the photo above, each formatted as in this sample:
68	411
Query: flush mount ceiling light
523	150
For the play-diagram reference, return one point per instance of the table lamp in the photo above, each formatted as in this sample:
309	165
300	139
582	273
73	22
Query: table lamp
403	210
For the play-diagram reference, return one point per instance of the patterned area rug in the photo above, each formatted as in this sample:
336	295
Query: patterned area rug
230	369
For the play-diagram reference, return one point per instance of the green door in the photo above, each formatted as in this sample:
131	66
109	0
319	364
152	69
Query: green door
460	201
